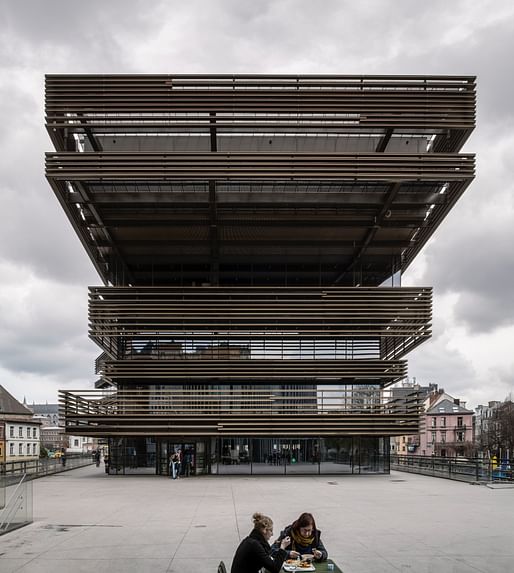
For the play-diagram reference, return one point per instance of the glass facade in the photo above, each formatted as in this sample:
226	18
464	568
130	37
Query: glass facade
251	456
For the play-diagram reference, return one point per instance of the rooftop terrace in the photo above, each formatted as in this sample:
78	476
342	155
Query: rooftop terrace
85	520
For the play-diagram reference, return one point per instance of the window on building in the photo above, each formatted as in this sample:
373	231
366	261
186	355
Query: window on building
433	422
433	437
20	431
76	443
443	421
34	434
20	449
11	431
11	449
460	436
459	422
443	437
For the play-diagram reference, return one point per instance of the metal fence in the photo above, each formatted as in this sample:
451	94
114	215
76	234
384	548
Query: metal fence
11	471
462	469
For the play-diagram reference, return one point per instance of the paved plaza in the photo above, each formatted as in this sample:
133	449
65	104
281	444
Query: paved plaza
86	521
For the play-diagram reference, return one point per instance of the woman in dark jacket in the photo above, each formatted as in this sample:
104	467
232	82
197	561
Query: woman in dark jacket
254	551
305	539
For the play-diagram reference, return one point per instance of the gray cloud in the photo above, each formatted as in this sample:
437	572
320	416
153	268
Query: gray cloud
436	362
43	342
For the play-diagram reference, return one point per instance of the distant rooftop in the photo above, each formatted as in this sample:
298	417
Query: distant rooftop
45	408
9	404
448	407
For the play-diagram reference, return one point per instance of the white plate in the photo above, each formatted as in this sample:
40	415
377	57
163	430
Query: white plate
291	568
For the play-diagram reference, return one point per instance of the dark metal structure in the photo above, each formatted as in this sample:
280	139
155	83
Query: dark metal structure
250	232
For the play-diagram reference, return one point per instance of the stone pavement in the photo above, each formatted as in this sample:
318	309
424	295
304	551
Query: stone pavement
86	521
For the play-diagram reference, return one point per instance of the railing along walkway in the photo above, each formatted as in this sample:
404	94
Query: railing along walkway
42	467
461	469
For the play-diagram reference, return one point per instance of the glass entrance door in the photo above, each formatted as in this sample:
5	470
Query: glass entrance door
191	455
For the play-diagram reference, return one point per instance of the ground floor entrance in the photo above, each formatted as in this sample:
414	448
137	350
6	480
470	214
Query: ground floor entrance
249	456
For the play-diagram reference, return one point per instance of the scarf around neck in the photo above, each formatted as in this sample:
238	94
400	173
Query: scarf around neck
300	540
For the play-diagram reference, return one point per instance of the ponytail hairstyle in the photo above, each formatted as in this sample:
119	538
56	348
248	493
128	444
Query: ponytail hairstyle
262	522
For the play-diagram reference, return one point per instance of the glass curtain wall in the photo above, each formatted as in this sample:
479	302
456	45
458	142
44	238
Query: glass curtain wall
289	456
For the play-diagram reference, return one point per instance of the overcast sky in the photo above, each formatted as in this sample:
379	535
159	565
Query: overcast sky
44	272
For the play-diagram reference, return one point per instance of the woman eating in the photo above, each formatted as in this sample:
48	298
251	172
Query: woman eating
305	540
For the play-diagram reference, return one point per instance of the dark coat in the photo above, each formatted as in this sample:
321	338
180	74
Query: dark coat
254	552
317	544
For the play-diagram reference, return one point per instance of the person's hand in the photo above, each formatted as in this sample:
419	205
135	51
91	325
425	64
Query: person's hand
285	543
293	554
317	554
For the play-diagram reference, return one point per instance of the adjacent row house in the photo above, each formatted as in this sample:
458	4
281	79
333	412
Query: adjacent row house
19	431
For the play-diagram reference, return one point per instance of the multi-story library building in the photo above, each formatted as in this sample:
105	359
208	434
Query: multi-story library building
251	233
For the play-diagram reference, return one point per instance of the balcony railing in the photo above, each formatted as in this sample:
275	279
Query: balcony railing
256	104
215	412
287	323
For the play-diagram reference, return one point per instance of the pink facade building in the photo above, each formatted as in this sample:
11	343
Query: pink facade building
447	429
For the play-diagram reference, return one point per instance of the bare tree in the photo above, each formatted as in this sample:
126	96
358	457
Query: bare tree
498	436
506	428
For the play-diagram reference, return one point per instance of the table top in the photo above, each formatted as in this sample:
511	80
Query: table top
322	567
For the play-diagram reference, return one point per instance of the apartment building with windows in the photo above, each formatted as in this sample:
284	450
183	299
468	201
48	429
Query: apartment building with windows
448	430
250	233
21	433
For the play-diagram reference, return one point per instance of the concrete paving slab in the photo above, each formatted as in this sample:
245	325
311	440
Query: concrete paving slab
85	520
9	565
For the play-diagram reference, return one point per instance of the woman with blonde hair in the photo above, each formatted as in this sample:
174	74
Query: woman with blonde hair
254	552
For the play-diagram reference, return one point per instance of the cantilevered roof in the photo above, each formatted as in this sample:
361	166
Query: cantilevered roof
263	180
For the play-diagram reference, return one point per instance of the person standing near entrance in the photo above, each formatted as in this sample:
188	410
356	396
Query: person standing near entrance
188	462
174	465
178	462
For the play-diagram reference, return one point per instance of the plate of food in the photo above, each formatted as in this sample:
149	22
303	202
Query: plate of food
305	566
298	565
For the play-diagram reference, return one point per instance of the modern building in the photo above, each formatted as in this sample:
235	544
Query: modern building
251	233
20	433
